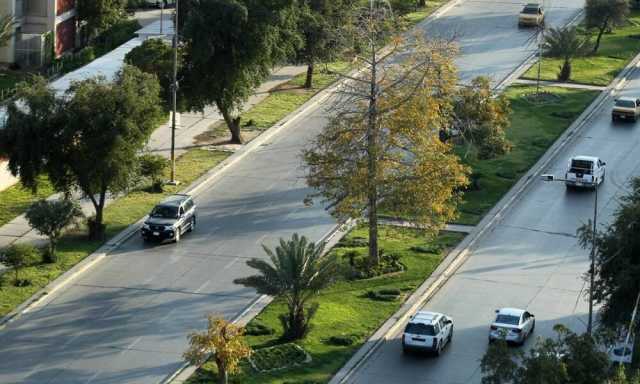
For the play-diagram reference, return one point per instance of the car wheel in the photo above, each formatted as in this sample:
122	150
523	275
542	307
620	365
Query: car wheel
533	327
451	334
604	174
438	349
178	233
192	225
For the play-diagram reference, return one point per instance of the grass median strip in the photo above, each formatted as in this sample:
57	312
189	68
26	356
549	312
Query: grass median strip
348	313
616	50
534	128
123	212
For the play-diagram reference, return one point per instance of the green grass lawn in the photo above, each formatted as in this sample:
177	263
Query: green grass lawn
616	50
344	311
74	246
417	16
534	127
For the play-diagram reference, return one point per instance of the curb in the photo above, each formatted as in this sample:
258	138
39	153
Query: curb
461	253
258	305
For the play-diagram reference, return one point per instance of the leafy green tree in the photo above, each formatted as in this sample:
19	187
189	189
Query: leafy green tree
296	272
100	14
617	259
18	256
87	140
154	56
230	48
498	365
50	218
7	29
223	341
153	167
565	43
482	118
604	15
321	23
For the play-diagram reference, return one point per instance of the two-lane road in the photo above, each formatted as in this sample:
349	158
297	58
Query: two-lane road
126	320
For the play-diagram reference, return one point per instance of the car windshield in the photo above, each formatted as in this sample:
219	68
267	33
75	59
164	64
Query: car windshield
420	329
581	166
625	103
165	212
530	10
508	319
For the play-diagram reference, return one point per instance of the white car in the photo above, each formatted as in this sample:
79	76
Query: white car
626	108
513	325
531	15
427	331
585	172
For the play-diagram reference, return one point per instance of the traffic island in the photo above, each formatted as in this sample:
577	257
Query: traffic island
350	310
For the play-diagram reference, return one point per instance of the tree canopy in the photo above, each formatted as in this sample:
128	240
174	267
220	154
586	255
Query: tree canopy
7	29
617	259
604	15
565	43
230	48
100	14
87	140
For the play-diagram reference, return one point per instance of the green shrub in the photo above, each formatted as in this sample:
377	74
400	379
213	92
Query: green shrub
359	266
342	341
278	357
256	328
429	248
18	256
354	242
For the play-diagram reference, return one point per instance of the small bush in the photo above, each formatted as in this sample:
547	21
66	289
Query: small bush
359	266
278	357
430	248
394	292
18	256
354	242
256	328
342	340
384	295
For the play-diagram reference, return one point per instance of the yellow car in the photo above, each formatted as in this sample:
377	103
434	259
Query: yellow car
532	15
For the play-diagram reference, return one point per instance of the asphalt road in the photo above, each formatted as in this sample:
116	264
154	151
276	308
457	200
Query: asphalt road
126	320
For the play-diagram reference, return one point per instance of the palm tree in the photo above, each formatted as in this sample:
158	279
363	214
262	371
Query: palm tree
564	43
7	29
297	271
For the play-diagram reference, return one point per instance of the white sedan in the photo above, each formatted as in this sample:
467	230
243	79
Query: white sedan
513	325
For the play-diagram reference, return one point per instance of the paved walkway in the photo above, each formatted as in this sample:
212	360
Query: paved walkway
191	125
561	85
450	227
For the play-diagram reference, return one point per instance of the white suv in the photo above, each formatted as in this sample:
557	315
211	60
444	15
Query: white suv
427	331
585	172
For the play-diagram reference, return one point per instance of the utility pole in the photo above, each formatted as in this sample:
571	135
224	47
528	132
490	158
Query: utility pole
592	270
174	94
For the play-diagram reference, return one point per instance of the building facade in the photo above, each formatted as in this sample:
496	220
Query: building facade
45	28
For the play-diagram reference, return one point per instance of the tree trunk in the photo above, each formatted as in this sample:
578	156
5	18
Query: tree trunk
601	30
233	123
422	3
223	377
96	228
309	81
372	152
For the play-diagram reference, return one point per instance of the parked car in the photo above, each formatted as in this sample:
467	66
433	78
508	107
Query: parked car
626	108
621	352
532	15
170	219
585	172
513	325
427	331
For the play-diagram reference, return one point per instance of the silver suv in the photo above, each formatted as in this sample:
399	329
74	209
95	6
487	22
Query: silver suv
168	220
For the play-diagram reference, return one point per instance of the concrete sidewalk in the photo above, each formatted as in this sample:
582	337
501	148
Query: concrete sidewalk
546	83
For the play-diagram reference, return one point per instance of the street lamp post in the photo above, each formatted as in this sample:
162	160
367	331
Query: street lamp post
174	97
592	269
